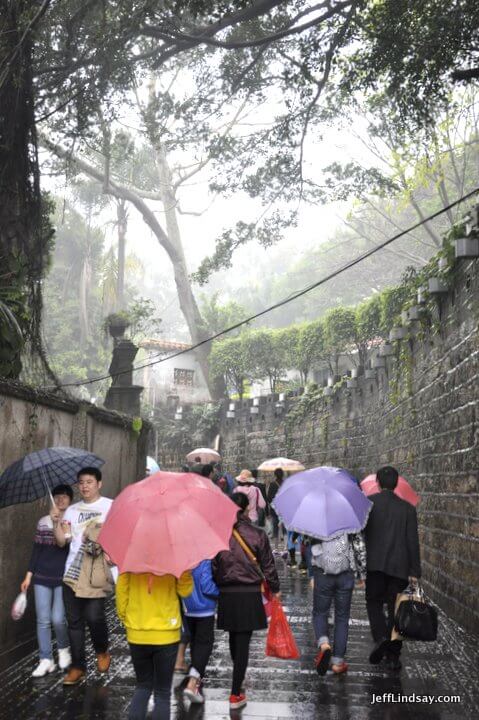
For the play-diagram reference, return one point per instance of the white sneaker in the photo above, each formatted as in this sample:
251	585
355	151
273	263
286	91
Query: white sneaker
151	703
64	658
43	668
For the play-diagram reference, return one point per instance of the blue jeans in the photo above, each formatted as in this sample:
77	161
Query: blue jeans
50	611
326	589
154	666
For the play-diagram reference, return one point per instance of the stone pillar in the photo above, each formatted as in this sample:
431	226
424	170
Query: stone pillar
122	394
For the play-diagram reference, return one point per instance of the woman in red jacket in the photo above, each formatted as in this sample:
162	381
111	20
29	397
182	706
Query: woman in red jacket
240	604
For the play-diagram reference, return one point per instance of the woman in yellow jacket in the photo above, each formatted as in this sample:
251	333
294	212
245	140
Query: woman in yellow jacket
149	608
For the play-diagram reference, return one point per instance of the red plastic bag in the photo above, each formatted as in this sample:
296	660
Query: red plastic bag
280	641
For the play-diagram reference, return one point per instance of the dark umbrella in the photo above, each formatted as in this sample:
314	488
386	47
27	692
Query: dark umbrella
36	474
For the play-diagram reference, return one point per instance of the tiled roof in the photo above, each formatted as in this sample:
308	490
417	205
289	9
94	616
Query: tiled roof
166	345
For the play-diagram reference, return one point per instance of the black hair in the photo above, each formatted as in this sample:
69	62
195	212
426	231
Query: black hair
387	477
63	490
254	473
240	500
90	471
279	474
206	470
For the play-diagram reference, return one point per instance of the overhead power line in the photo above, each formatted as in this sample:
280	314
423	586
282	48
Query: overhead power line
285	301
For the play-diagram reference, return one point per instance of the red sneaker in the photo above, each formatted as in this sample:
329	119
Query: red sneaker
237	701
341	668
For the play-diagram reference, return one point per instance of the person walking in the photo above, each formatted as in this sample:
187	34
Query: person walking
87	607
256	501
259	484
200	609
393	561
335	564
273	488
240	604
45	570
149	608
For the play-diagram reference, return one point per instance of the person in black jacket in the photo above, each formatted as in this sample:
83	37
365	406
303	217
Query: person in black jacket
240	604
393	561
273	488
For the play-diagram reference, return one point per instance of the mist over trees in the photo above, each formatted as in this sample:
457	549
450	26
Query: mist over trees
145	99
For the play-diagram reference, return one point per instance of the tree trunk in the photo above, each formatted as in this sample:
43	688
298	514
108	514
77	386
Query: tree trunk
21	250
84	291
189	307
173	248
122	220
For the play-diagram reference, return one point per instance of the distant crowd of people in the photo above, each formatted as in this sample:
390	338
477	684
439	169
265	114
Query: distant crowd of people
162	615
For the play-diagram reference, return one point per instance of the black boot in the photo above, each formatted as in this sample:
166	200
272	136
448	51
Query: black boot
378	652
292	558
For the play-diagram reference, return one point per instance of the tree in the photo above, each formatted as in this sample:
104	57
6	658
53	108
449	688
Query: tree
72	63
229	361
73	294
267	352
220	317
339	335
368	326
310	349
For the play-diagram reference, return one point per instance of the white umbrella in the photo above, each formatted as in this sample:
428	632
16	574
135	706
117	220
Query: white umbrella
281	462
203	455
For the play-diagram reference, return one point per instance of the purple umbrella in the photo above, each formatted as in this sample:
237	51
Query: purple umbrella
323	502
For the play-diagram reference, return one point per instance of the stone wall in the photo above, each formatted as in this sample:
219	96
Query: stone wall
420	414
30	421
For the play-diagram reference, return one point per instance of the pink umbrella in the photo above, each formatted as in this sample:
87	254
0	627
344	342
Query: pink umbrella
370	485
167	524
203	455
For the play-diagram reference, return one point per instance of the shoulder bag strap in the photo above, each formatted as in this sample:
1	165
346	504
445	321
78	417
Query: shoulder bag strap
248	552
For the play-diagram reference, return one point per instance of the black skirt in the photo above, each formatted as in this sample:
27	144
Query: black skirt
241	611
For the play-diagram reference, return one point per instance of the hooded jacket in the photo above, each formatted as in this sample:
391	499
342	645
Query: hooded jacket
149	608
233	571
202	601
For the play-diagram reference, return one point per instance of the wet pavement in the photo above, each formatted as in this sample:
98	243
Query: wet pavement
276	689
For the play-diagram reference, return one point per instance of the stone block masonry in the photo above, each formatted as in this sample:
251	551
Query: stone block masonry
30	420
420	414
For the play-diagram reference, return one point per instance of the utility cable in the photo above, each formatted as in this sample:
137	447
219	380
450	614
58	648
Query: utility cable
286	300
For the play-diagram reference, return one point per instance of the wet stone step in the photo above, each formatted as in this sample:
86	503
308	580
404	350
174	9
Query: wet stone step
276	689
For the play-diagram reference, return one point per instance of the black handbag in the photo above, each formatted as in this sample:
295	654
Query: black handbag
416	619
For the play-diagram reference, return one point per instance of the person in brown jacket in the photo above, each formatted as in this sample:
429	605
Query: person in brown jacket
240	604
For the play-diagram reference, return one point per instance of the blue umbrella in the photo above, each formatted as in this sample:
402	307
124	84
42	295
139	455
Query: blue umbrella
324	502
36	474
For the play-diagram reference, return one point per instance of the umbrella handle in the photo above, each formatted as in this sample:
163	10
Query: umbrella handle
49	492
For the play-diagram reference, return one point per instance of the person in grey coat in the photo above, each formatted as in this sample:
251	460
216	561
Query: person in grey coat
393	561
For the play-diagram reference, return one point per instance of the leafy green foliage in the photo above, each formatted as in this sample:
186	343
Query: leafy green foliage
228	360
217	317
339	334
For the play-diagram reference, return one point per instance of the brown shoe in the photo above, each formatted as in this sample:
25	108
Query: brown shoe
103	661
73	676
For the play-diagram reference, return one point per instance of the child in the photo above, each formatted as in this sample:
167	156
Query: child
200	609
336	562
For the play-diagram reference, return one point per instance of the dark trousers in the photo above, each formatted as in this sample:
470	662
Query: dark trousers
275	522
154	666
202	632
239	651
381	589
80	612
